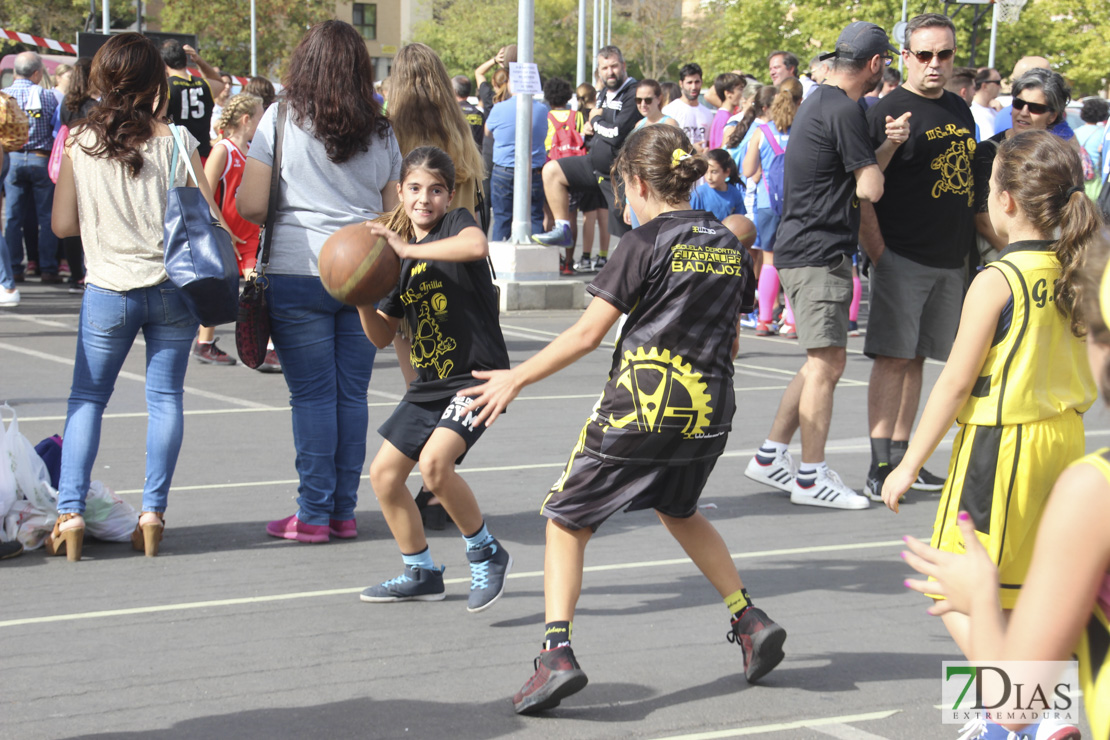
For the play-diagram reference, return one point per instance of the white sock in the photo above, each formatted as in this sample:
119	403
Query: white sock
809	470
562	222
778	447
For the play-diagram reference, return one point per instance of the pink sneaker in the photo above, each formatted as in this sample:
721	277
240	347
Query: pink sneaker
344	529
292	528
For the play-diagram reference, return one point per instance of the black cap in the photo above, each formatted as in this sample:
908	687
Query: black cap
860	40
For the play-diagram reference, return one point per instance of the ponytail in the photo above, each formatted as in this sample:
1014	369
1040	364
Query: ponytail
238	106
1044	176
785	105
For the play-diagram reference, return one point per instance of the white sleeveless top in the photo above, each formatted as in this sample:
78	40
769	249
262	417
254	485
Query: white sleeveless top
121	216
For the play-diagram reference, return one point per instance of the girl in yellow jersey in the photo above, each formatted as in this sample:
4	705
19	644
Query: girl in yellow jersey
1027	366
1017	379
1065	602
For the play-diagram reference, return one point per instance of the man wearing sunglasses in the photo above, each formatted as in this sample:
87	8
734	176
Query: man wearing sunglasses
988	84
918	237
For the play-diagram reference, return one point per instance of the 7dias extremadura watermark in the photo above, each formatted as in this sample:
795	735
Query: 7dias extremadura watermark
1010	691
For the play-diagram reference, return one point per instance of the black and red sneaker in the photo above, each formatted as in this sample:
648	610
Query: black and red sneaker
761	640
557	676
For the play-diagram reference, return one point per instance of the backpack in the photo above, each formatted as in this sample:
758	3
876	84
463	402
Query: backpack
14	127
1085	157
567	141
773	175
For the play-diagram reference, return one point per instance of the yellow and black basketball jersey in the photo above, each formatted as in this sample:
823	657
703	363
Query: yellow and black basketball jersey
1036	369
1094	642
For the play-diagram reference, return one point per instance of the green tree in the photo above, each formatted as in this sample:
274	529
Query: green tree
223	30
652	37
466	33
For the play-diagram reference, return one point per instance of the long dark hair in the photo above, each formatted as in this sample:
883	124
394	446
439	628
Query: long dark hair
330	89
129	73
764	97
79	90
1043	174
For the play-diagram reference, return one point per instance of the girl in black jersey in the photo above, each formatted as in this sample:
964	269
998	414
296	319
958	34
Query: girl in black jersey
447	295
667	408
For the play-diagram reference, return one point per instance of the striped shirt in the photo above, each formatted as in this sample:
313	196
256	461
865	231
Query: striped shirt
39	105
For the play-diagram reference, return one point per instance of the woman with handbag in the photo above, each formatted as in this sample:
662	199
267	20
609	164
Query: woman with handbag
338	165
112	191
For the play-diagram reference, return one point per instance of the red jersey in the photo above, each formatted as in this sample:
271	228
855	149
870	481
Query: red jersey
225	198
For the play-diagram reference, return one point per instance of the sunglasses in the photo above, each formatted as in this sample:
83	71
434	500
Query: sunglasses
1037	109
992	82
887	59
645	101
927	56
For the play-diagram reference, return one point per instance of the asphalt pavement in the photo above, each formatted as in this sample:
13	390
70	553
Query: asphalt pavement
229	633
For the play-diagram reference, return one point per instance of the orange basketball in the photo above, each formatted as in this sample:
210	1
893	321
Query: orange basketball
357	267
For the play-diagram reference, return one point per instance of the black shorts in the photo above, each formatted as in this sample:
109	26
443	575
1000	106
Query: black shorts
412	423
597	190
590	491
586	201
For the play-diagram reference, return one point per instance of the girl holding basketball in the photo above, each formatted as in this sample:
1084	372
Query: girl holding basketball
1017	380
683	279
446	293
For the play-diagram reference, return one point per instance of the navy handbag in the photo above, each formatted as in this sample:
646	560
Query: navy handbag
199	256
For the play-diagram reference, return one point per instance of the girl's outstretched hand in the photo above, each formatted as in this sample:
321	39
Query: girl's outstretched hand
392	238
958	578
494	395
896	485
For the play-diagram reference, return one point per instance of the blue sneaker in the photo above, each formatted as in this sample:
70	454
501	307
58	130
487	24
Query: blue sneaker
415	584
488	568
749	320
557	237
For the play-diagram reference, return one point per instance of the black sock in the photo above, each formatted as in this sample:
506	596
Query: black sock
880	451
556	634
898	451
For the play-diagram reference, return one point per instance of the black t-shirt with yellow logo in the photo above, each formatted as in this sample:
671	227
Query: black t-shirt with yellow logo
683	279
452	309
927	212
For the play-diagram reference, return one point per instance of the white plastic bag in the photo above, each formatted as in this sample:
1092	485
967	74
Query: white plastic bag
32	480
107	516
8	493
28	524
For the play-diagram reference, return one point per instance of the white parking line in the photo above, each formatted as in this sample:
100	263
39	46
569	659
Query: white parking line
846	732
796	725
135	376
357	589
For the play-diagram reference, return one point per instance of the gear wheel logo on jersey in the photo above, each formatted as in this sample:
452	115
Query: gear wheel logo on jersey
665	391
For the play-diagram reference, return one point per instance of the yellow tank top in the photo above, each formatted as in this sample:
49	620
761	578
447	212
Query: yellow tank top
1036	369
1094	641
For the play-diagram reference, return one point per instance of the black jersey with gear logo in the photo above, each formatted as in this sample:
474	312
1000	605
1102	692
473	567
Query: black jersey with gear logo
452	308
683	279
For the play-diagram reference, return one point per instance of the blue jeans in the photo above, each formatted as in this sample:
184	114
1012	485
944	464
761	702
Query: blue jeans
6	280
501	203
326	359
108	326
27	178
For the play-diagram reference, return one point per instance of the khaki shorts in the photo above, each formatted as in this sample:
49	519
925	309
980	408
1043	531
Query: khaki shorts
820	297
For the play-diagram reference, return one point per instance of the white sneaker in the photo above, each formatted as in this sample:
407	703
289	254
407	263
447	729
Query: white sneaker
9	299
779	473
828	491
585	265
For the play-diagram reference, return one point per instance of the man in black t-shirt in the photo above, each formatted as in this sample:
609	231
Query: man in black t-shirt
612	120
474	117
191	98
830	167
918	238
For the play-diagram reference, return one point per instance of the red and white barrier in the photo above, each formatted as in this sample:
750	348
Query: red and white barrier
39	41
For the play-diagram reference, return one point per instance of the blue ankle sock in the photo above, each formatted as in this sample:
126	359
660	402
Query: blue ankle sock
479	539
422	559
